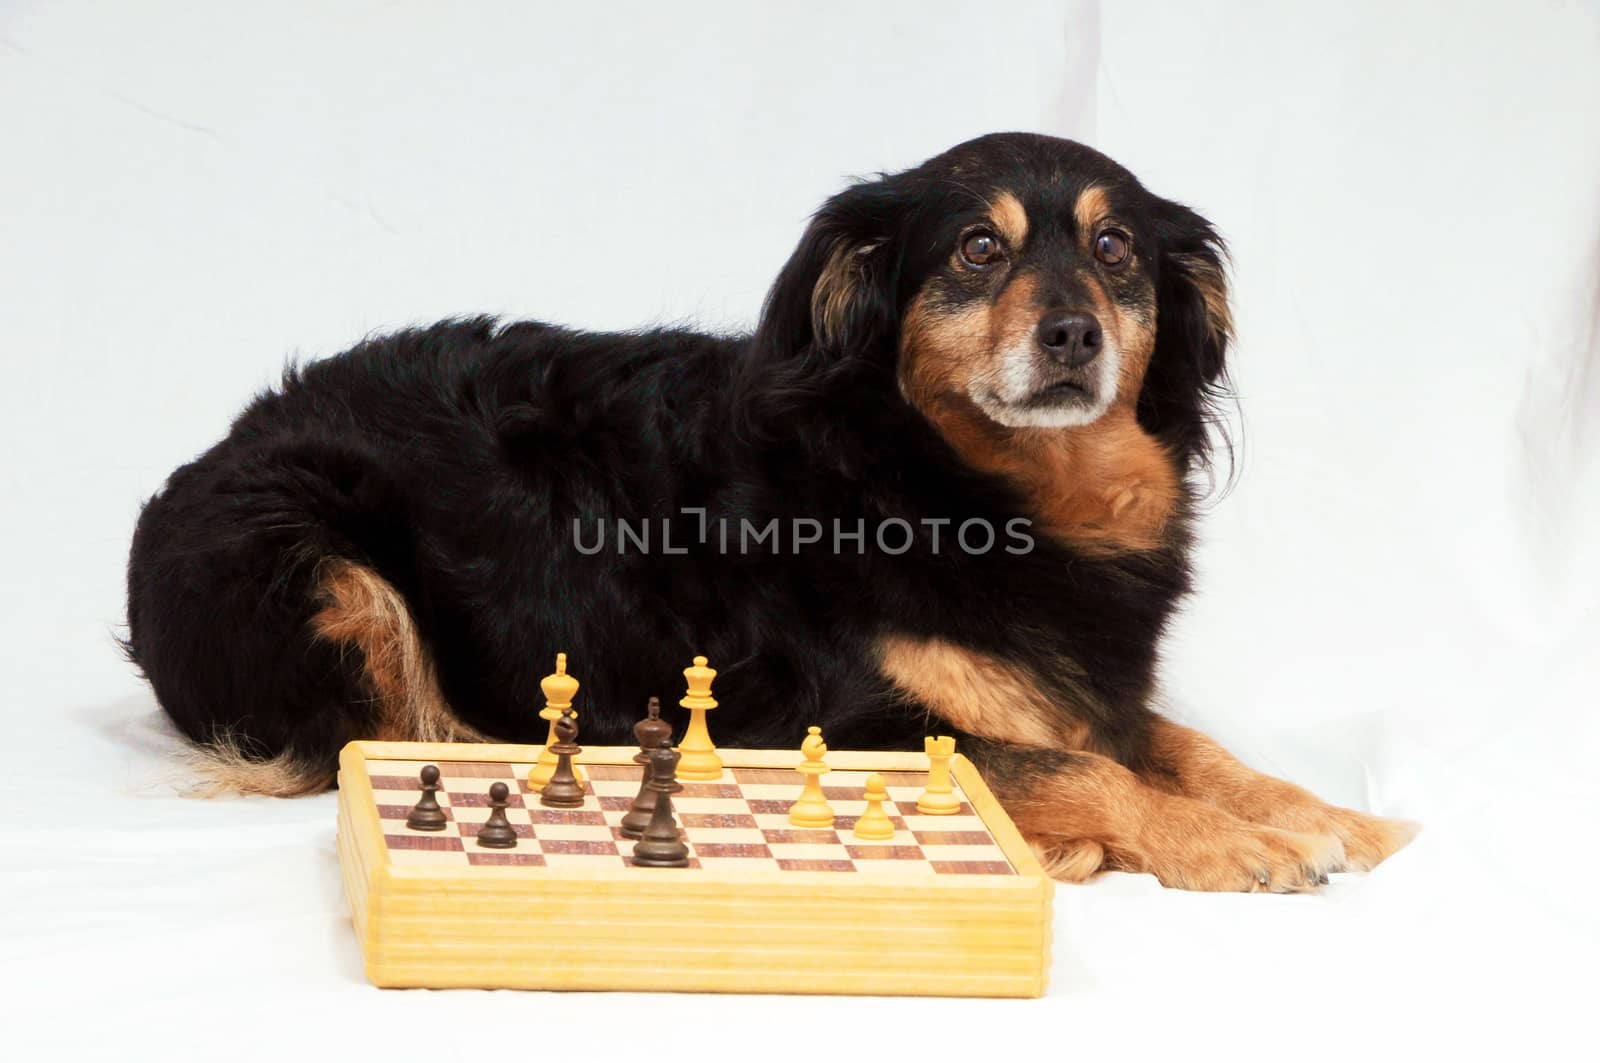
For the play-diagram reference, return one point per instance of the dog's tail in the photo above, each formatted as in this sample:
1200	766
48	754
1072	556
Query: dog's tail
263	638
224	765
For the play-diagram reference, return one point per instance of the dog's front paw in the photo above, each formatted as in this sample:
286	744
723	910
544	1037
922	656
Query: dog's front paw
1368	840
1069	860
1217	853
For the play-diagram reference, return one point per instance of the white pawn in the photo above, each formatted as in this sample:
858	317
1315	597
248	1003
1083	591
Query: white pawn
875	824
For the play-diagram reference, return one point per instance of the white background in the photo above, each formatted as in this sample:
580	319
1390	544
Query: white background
1397	602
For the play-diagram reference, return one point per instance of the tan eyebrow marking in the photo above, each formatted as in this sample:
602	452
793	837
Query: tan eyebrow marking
1091	207
1010	218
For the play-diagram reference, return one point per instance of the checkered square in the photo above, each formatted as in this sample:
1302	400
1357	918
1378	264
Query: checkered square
739	821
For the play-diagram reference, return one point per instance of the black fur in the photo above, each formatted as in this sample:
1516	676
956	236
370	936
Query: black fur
455	459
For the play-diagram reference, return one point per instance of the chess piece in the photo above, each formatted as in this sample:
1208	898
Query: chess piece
700	760
427	815
559	690
497	832
812	809
651	732
875	824
939	799
661	846
564	790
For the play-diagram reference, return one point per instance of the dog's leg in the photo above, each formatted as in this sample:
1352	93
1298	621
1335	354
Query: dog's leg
1184	761
1082	811
363	611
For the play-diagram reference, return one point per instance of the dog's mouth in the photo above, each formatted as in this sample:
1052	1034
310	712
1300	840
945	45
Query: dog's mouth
1047	395
1070	389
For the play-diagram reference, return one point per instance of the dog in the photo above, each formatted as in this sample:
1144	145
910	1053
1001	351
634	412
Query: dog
964	437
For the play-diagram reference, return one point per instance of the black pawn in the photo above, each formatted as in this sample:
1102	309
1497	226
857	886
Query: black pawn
497	832
427	815
564	790
651	732
661	846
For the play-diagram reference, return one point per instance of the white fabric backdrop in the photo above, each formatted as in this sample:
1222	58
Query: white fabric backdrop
1397	603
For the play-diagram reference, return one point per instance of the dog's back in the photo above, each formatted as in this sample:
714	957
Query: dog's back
277	585
389	546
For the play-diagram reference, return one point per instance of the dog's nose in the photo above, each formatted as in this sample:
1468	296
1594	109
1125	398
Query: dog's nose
1071	339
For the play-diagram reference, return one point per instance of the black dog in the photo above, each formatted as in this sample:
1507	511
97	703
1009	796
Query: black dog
942	488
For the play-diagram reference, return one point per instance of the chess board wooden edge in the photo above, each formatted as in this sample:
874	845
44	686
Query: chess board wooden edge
722	930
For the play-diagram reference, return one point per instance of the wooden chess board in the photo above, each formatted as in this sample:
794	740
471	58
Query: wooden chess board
952	905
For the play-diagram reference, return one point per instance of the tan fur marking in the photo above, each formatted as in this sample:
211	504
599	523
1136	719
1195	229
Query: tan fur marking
940	349
360	610
1135	340
1212	284
364	610
835	287
222	767
1092	206
1198	767
1097	805
1010	219
979	694
1106	487
1016	312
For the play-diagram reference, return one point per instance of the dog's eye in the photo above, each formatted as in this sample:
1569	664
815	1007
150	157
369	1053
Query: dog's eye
1112	247
980	249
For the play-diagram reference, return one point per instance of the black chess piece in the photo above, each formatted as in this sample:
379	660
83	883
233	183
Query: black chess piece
427	815
661	846
651	732
564	790
497	832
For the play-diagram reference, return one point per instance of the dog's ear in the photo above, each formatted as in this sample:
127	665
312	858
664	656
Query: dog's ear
1187	376
836	293
832	313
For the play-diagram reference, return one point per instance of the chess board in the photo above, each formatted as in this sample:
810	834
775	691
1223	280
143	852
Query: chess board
951	905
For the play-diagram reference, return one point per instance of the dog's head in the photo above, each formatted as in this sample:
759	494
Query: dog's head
1019	283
